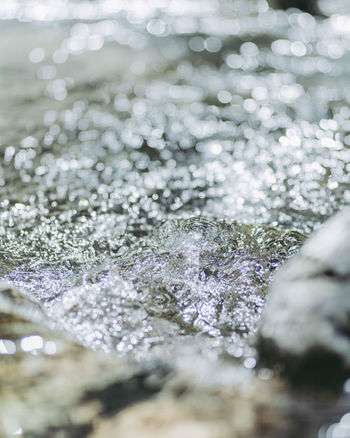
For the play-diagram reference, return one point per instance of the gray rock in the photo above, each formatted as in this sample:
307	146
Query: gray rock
51	386
310	6
305	328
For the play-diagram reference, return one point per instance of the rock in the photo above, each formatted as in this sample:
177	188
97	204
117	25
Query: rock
51	387
195	413
259	409
310	6
49	383
305	328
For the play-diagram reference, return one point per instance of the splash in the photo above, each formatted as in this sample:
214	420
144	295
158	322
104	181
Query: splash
192	278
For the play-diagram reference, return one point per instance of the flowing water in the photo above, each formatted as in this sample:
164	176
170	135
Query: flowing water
159	161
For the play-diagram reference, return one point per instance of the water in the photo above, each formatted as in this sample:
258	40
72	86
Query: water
191	280
145	147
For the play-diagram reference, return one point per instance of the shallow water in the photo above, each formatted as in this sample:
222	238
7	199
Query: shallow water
191	280
136	142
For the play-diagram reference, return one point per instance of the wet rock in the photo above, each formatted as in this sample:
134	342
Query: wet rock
260	409
18	306
305	328
196	413
50	384
51	387
310	6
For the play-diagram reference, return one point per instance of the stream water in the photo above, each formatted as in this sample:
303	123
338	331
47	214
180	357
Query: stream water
159	161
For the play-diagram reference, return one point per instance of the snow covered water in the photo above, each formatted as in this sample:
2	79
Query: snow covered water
159	161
